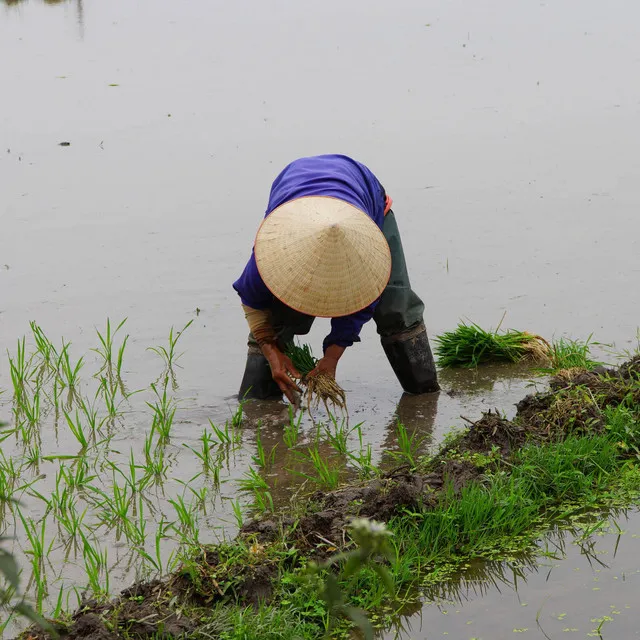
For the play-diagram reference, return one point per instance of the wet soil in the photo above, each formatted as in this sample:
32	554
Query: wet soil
157	608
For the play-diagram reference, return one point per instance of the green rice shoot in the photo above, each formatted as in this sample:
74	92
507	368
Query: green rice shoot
571	354
469	346
302	358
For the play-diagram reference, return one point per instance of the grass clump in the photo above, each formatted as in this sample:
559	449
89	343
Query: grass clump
319	388
469	345
566	354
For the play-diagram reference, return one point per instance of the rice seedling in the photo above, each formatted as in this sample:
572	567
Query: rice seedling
199	495
32	456
76	428
469	345
237	512
77	476
261	458
228	435
291	433
363	458
566	354
119	506
68	372
70	523
57	392
136	530
90	413
6	433
59	609
320	387
189	531
326	476
109	390
20	370
155	465
106	349
206	451
9	475
339	435
38	551
158	562
237	417
48	354
28	407
114	508
8	591
253	483
134	482
95	566
169	355
61	501
409	447
7	596
164	411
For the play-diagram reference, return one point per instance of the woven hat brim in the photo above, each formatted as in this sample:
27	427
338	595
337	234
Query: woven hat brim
322	256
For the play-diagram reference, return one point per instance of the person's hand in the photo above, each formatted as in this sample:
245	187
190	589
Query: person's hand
328	363
283	372
325	365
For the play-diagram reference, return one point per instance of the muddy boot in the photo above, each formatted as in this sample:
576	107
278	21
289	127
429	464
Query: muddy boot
257	381
410	357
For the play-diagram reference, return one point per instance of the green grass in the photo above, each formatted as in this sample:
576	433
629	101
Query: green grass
470	345
569	354
265	622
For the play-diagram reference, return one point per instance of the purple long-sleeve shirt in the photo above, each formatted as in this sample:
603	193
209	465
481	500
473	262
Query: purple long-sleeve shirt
328	175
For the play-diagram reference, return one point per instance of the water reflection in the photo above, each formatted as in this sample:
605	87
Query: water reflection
268	420
418	415
523	576
484	378
79	9
14	2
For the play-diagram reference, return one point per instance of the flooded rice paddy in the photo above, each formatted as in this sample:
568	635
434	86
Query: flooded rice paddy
507	136
574	587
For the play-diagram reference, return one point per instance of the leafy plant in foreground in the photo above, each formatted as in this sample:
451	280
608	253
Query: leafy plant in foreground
10	573
372	544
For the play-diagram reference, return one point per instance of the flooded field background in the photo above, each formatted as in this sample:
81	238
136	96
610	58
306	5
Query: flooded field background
506	134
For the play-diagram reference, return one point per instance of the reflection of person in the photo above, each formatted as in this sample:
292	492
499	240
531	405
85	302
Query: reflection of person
329	246
418	415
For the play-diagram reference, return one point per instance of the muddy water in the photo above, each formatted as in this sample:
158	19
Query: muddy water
577	587
506	134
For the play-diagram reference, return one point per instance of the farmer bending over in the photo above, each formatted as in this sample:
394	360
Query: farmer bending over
329	247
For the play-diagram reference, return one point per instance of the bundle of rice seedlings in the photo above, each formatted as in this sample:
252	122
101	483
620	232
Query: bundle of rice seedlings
320	387
469	345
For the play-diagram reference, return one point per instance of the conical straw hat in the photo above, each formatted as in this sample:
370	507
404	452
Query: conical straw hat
322	256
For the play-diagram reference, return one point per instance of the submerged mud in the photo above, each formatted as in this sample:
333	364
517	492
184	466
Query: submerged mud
178	604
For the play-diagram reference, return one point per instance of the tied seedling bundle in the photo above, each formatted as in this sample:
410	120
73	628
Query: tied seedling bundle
320	387
469	345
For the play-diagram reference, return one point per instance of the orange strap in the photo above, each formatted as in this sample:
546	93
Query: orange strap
388	203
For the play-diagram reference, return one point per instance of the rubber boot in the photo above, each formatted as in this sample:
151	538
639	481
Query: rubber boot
410	357
257	381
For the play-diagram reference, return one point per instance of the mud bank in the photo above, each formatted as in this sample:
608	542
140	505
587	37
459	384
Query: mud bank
248	573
